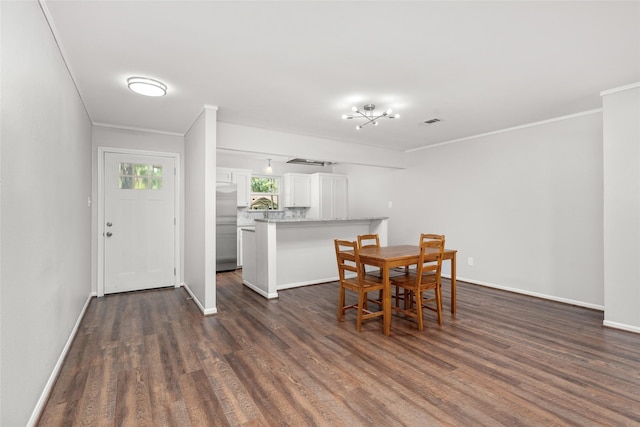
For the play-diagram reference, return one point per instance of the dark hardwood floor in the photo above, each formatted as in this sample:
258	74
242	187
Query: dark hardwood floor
150	358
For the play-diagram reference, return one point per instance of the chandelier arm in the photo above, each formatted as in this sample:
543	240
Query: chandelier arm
368	115
371	118
362	114
367	122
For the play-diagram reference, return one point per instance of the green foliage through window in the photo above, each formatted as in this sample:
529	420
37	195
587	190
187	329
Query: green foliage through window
264	192
264	185
137	176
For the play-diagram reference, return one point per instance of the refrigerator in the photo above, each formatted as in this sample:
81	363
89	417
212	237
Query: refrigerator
226	227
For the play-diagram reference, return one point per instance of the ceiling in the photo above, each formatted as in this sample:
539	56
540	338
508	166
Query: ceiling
297	66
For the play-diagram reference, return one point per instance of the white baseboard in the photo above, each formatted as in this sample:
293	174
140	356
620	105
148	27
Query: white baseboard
260	291
533	294
311	282
206	312
35	415
621	326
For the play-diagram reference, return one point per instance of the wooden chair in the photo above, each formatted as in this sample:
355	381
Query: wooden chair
373	241
352	277
426	278
369	241
424	237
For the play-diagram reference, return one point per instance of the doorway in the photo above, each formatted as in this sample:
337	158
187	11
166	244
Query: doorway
137	220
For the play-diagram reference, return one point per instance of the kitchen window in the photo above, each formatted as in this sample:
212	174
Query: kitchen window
265	192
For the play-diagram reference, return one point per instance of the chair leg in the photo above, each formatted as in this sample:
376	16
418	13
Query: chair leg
362	296
419	310
341	304
438	291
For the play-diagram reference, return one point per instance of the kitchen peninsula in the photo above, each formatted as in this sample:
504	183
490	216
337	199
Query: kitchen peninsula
287	253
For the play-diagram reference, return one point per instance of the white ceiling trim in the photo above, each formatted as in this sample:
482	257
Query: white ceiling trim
620	89
132	128
56	39
528	125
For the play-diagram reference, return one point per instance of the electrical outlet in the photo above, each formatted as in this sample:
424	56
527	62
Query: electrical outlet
470	261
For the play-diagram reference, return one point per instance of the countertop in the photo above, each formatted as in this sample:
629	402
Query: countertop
302	220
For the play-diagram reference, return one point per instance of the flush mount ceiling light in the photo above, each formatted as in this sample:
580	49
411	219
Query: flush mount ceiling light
369	115
147	86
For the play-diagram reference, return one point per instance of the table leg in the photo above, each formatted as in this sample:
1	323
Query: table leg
453	284
386	303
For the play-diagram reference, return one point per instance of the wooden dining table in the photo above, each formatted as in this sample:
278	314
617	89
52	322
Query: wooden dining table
389	257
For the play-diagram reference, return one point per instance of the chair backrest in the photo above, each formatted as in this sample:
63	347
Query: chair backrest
431	254
347	257
368	241
425	237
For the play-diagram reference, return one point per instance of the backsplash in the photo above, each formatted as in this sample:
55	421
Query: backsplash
246	216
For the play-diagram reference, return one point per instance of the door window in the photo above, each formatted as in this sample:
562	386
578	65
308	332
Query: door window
140	176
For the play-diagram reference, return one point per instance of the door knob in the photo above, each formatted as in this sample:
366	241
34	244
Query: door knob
109	224
109	234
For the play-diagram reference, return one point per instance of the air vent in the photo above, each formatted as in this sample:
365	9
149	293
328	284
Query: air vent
310	162
430	121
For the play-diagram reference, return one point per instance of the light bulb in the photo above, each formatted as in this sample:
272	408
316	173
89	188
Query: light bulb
354	108
358	127
389	111
344	116
375	123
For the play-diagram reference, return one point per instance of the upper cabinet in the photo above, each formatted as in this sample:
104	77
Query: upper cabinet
297	190
223	175
242	179
329	196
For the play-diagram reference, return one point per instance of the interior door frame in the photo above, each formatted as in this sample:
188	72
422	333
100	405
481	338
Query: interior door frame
102	151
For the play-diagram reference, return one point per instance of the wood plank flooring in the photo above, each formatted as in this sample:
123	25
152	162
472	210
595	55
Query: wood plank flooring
151	359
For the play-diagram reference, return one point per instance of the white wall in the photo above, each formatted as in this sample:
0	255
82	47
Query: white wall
257	140
621	110
135	140
200	204
526	204
45	230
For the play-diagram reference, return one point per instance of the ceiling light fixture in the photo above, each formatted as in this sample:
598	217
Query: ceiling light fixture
309	162
268	169
147	86
369	115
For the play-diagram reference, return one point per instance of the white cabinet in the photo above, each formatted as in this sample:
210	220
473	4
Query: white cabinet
223	175
297	190
249	267
239	247
329	196
242	179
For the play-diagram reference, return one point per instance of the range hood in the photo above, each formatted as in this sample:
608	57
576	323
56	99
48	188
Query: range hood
310	162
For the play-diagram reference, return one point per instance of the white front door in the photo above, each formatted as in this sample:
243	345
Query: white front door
139	222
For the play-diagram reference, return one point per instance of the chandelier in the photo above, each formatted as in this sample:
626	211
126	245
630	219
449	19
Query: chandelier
369	115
